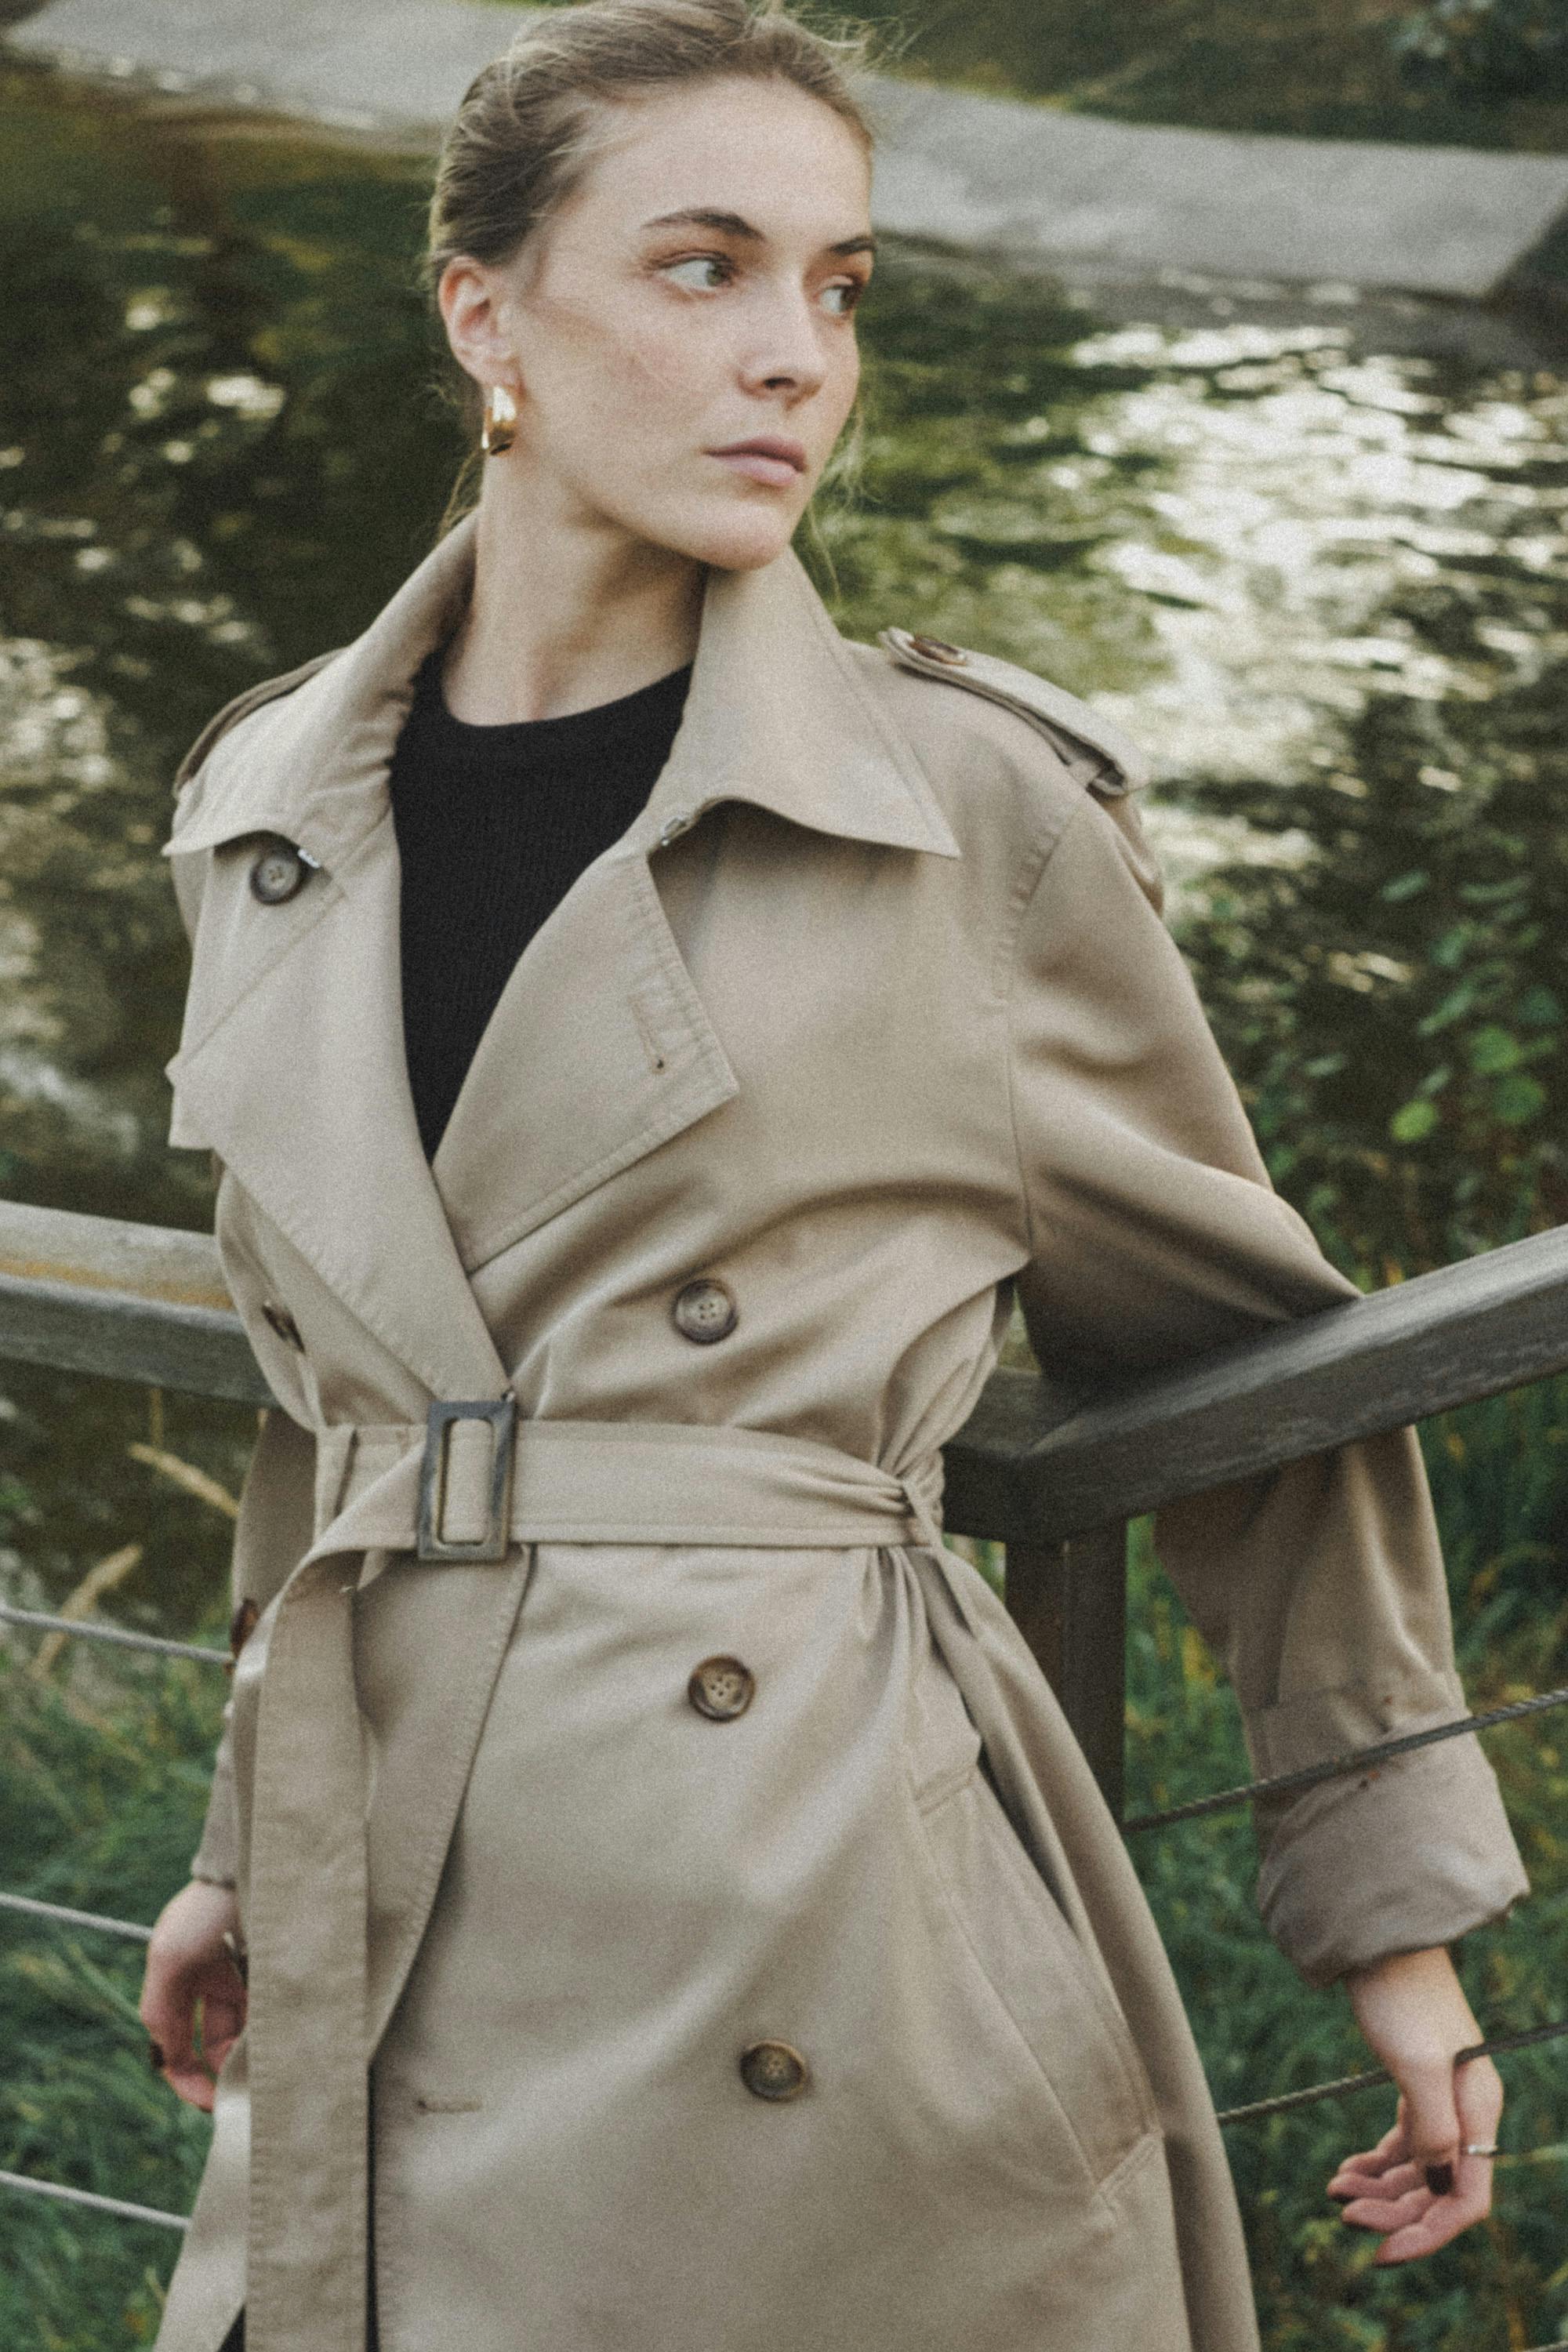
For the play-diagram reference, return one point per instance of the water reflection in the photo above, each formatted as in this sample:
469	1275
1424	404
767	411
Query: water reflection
1310	551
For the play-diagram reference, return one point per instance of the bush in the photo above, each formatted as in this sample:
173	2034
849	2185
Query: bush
1486	49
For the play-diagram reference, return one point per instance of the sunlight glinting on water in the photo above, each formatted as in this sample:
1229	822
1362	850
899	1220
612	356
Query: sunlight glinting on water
1302	493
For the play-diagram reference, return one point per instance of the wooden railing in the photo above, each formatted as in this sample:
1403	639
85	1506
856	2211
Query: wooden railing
1055	1480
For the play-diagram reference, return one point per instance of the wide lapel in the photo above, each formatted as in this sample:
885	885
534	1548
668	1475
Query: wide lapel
291	1065
600	1047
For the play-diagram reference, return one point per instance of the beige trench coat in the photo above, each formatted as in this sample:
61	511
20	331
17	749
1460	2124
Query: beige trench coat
869	1019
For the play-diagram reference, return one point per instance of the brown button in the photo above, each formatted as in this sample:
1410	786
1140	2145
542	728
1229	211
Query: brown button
282	1322
278	873
722	1688
937	650
704	1311
772	2070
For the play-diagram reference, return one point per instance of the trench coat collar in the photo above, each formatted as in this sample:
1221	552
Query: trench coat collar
776	713
315	1115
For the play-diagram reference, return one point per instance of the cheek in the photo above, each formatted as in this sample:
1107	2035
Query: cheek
844	376
626	390
602	363
656	362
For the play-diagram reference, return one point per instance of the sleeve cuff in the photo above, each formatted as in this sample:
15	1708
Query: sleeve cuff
1400	1857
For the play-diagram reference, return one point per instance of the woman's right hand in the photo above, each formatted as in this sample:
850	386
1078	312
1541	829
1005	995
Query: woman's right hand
188	1962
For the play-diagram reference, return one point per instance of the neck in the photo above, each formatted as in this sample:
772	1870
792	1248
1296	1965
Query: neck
566	612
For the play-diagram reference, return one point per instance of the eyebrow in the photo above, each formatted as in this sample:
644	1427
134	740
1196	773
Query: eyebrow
700	217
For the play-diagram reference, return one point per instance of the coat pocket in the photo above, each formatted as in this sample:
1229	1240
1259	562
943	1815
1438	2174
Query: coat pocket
1029	1981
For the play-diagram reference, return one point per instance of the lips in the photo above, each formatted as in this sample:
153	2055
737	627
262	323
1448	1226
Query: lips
766	445
767	458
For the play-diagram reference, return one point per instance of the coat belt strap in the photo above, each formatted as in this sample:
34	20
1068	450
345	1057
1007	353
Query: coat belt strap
473	1473
312	2027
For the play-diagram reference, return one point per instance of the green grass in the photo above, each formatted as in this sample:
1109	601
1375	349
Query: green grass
103	1773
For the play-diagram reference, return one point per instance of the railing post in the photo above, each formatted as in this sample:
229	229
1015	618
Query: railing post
1069	1602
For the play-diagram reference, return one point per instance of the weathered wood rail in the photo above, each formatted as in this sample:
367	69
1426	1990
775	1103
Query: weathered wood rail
1055	1480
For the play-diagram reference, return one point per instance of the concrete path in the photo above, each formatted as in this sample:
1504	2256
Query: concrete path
1091	197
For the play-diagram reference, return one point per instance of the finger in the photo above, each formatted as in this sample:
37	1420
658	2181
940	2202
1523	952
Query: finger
222	2016
192	2084
168	2011
1390	2149
1387	2215
216	2051
1370	2164
1443	2221
1479	2092
1432	2117
1398	2181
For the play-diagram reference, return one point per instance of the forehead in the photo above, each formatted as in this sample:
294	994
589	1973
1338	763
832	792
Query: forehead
765	150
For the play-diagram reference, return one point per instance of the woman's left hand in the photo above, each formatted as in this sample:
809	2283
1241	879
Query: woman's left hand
1417	2187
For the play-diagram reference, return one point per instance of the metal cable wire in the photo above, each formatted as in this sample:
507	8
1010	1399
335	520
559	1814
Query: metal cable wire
1255	2113
121	1634
1348	2084
1197	1809
70	1918
1310	1775
117	2205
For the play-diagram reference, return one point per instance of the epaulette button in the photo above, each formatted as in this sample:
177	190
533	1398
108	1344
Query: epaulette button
279	873
937	650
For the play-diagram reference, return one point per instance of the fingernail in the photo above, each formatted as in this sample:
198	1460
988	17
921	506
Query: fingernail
1440	2179
155	2058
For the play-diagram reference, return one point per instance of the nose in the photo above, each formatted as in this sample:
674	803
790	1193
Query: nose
786	352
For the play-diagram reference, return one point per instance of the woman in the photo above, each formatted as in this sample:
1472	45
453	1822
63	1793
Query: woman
650	1846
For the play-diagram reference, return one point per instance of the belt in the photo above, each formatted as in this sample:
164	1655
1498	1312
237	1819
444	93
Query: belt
476	1478
474	1484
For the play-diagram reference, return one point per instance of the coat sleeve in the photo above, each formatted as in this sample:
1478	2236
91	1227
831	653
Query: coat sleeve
273	1532
1155	1236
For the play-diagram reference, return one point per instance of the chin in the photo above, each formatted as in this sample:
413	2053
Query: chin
741	539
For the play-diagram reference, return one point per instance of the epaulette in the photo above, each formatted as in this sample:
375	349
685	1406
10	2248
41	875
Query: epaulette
1099	756
241	708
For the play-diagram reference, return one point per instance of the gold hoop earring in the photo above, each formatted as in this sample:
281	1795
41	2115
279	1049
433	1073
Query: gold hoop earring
499	430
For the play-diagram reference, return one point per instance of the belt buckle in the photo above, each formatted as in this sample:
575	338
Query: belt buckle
502	1414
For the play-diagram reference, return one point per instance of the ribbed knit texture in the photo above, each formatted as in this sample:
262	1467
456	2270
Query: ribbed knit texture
494	825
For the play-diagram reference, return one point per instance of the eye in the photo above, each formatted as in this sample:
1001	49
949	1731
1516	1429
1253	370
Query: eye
701	261
852	289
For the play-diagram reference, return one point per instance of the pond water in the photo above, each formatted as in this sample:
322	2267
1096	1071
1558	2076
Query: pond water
1312	550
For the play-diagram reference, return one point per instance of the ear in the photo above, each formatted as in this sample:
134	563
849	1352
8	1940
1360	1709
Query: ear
469	296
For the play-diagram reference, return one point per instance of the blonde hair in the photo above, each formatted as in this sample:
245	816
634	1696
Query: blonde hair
533	121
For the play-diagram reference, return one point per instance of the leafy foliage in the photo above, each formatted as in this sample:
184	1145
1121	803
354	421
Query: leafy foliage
1394	1007
1483	72
1486	49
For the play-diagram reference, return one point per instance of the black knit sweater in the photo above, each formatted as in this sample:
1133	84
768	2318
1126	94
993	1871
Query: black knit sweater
494	825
